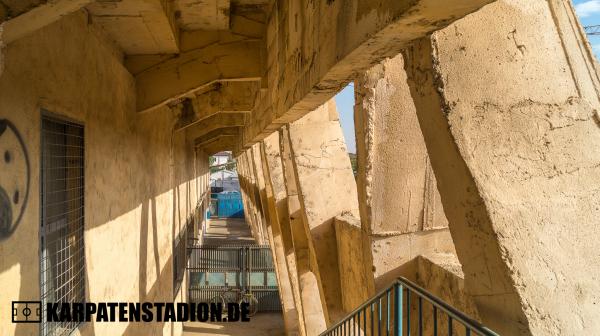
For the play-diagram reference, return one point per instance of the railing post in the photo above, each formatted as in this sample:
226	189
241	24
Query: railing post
398	309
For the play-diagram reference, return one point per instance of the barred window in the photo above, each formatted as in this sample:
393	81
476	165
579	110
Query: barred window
181	253
62	258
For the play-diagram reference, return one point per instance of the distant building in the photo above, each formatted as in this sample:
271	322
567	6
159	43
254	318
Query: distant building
221	158
225	179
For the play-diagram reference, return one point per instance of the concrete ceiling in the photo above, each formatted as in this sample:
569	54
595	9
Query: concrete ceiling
203	14
149	27
13	8
138	26
312	49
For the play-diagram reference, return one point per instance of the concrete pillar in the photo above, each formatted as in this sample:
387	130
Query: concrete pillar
290	314
311	293
244	187
272	158
256	218
400	205
327	188
261	192
508	100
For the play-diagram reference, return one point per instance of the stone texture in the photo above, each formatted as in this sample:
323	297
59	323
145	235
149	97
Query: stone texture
315	310
509	144
141	181
356	281
326	188
274	163
399	202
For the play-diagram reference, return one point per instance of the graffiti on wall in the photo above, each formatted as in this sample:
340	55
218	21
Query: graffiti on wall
15	178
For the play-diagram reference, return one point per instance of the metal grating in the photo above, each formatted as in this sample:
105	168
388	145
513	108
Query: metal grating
62	259
228	269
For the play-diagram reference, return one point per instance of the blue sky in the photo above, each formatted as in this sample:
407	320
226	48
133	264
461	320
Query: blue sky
589	14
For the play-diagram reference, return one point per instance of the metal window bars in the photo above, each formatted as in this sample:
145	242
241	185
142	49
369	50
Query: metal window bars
188	236
62	259
404	308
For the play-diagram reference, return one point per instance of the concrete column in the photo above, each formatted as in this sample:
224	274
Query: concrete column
290	314
254	197
311	293
247	186
261	192
400	205
281	222
327	188
508	100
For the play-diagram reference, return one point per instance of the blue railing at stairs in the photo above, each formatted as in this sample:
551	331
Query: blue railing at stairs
404	308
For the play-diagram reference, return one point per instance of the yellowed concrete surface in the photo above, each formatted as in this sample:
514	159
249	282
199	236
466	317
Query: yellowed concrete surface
509	139
262	324
141	183
228	231
502	105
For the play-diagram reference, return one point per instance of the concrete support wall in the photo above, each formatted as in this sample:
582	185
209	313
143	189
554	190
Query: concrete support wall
250	190
273	160
314	309
400	205
326	189
290	313
511	148
140	177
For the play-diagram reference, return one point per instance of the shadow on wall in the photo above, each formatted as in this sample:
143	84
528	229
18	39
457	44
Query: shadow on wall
123	181
15	185
24	268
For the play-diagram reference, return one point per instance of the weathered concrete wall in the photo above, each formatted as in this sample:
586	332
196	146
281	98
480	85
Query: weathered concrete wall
139	176
314	48
251	198
440	274
290	313
354	262
273	160
510	146
326	188
312	295
400	205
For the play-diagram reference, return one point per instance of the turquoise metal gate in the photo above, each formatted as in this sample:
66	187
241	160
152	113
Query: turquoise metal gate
214	270
227	205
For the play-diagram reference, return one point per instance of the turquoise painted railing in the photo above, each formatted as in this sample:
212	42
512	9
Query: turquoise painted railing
406	309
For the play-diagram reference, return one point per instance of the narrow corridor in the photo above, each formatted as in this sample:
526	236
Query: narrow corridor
234	231
228	231
262	324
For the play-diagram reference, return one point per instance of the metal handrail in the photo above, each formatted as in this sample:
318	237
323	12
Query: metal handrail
397	288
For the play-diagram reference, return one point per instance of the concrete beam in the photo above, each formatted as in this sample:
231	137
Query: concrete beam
216	122
218	133
307	66
204	15
222	97
220	144
38	17
139	26
189	71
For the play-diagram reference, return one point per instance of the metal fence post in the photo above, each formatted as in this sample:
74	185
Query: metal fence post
398	309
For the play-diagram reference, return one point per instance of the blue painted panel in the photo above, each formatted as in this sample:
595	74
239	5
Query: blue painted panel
229	205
